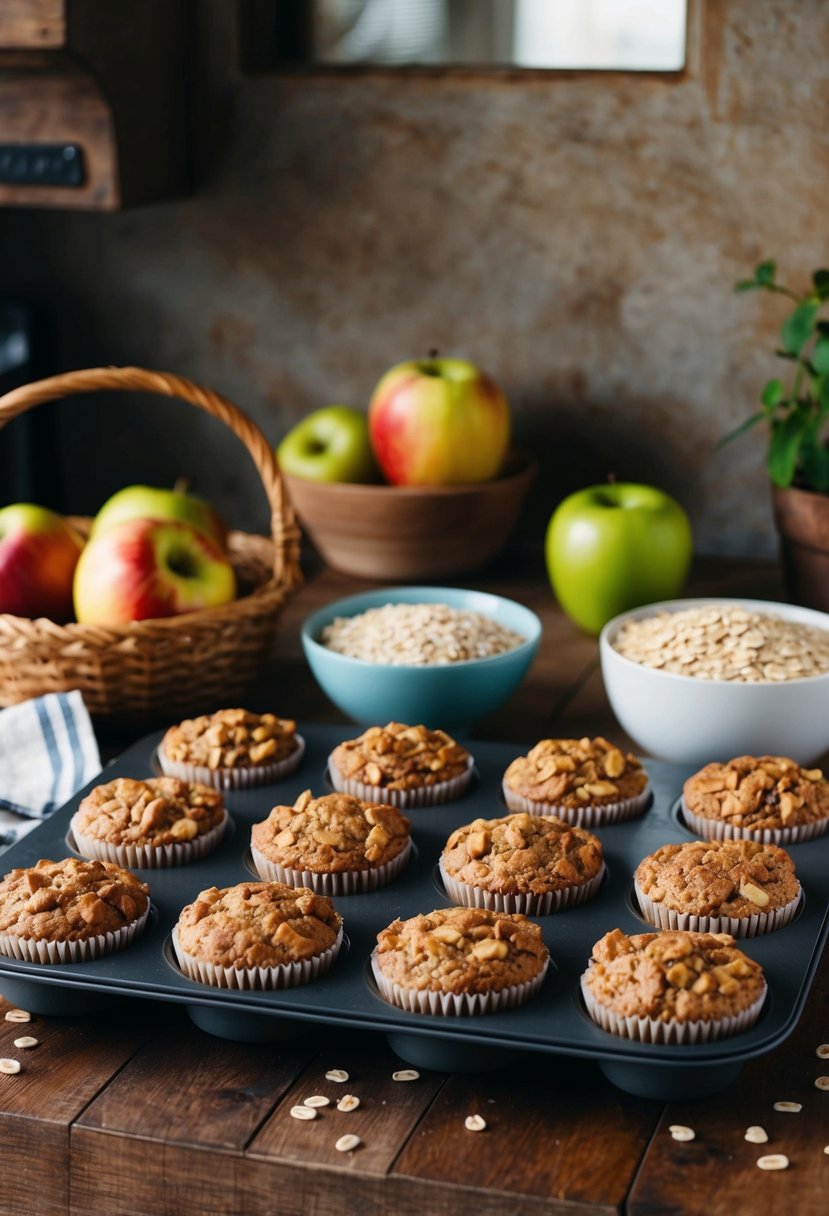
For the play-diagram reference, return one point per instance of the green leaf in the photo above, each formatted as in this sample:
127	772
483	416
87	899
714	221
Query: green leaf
740	430
820	356
797	328
784	448
764	273
772	394
821	281
823	397
814	464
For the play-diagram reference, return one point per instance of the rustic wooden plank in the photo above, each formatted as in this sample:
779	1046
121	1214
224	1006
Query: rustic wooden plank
556	1131
187	1088
717	1172
388	1111
71	1063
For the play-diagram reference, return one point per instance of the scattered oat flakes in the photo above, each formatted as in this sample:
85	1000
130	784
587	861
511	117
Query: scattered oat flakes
406	1074
10	1066
316	1100
18	1015
821	1082
347	1144
26	1041
474	1123
774	1161
348	1102
680	1132
792	1108
756	1135
822	1052
303	1112
337	1074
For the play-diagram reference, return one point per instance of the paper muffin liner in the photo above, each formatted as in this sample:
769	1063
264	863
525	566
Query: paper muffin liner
29	950
529	904
425	795
147	857
450	1004
233	778
344	882
586	816
738	926
285	975
652	1030
719	829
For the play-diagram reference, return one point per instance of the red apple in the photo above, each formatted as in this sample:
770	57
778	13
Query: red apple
438	422
144	568
38	554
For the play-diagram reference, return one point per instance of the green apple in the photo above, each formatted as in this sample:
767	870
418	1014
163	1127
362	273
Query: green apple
151	502
613	547
329	445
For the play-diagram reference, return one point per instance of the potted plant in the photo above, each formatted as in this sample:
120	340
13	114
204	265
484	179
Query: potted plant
798	454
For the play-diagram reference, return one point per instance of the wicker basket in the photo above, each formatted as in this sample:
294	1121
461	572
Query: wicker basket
175	665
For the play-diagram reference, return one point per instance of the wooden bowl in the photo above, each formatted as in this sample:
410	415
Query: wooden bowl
397	533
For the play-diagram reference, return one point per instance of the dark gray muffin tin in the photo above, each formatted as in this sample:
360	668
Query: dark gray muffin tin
553	1021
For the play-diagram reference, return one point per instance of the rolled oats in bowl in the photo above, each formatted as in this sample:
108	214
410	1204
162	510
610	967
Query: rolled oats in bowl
419	635
721	641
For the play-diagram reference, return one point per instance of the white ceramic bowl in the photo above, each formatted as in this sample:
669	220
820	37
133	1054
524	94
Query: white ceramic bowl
692	721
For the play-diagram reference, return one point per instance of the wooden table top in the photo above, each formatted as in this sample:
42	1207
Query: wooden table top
140	1113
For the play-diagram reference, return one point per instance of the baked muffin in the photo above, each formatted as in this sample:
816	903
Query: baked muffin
765	798
533	864
160	821
71	910
257	935
401	766
459	961
739	887
672	987
335	844
586	782
231	749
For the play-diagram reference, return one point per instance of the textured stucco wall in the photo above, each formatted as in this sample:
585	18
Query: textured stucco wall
577	235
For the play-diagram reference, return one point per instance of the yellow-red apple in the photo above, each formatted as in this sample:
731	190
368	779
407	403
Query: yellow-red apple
438	422
38	554
144	568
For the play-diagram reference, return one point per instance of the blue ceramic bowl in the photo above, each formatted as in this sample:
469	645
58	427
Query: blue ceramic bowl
453	696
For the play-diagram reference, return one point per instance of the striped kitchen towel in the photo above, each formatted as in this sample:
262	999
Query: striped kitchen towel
48	751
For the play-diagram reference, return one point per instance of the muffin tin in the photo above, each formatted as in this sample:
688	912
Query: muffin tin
554	1021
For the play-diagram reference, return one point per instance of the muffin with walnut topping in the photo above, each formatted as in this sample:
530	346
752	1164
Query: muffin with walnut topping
335	844
587	782
672	987
401	766
69	911
740	887
257	935
148	824
533	864
231	749
460	961
765	798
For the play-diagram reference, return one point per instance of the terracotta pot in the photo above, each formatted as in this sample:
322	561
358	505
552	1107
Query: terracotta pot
397	533
802	519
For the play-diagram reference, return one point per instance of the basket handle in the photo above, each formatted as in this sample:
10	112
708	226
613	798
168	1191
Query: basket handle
284	529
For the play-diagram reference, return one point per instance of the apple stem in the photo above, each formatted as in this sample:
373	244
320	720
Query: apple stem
611	479
181	485
433	352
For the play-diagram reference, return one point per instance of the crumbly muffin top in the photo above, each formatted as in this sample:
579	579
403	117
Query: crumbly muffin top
399	757
155	812
685	977
730	878
461	950
528	854
759	792
257	924
71	900
230	738
576	772
331	834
